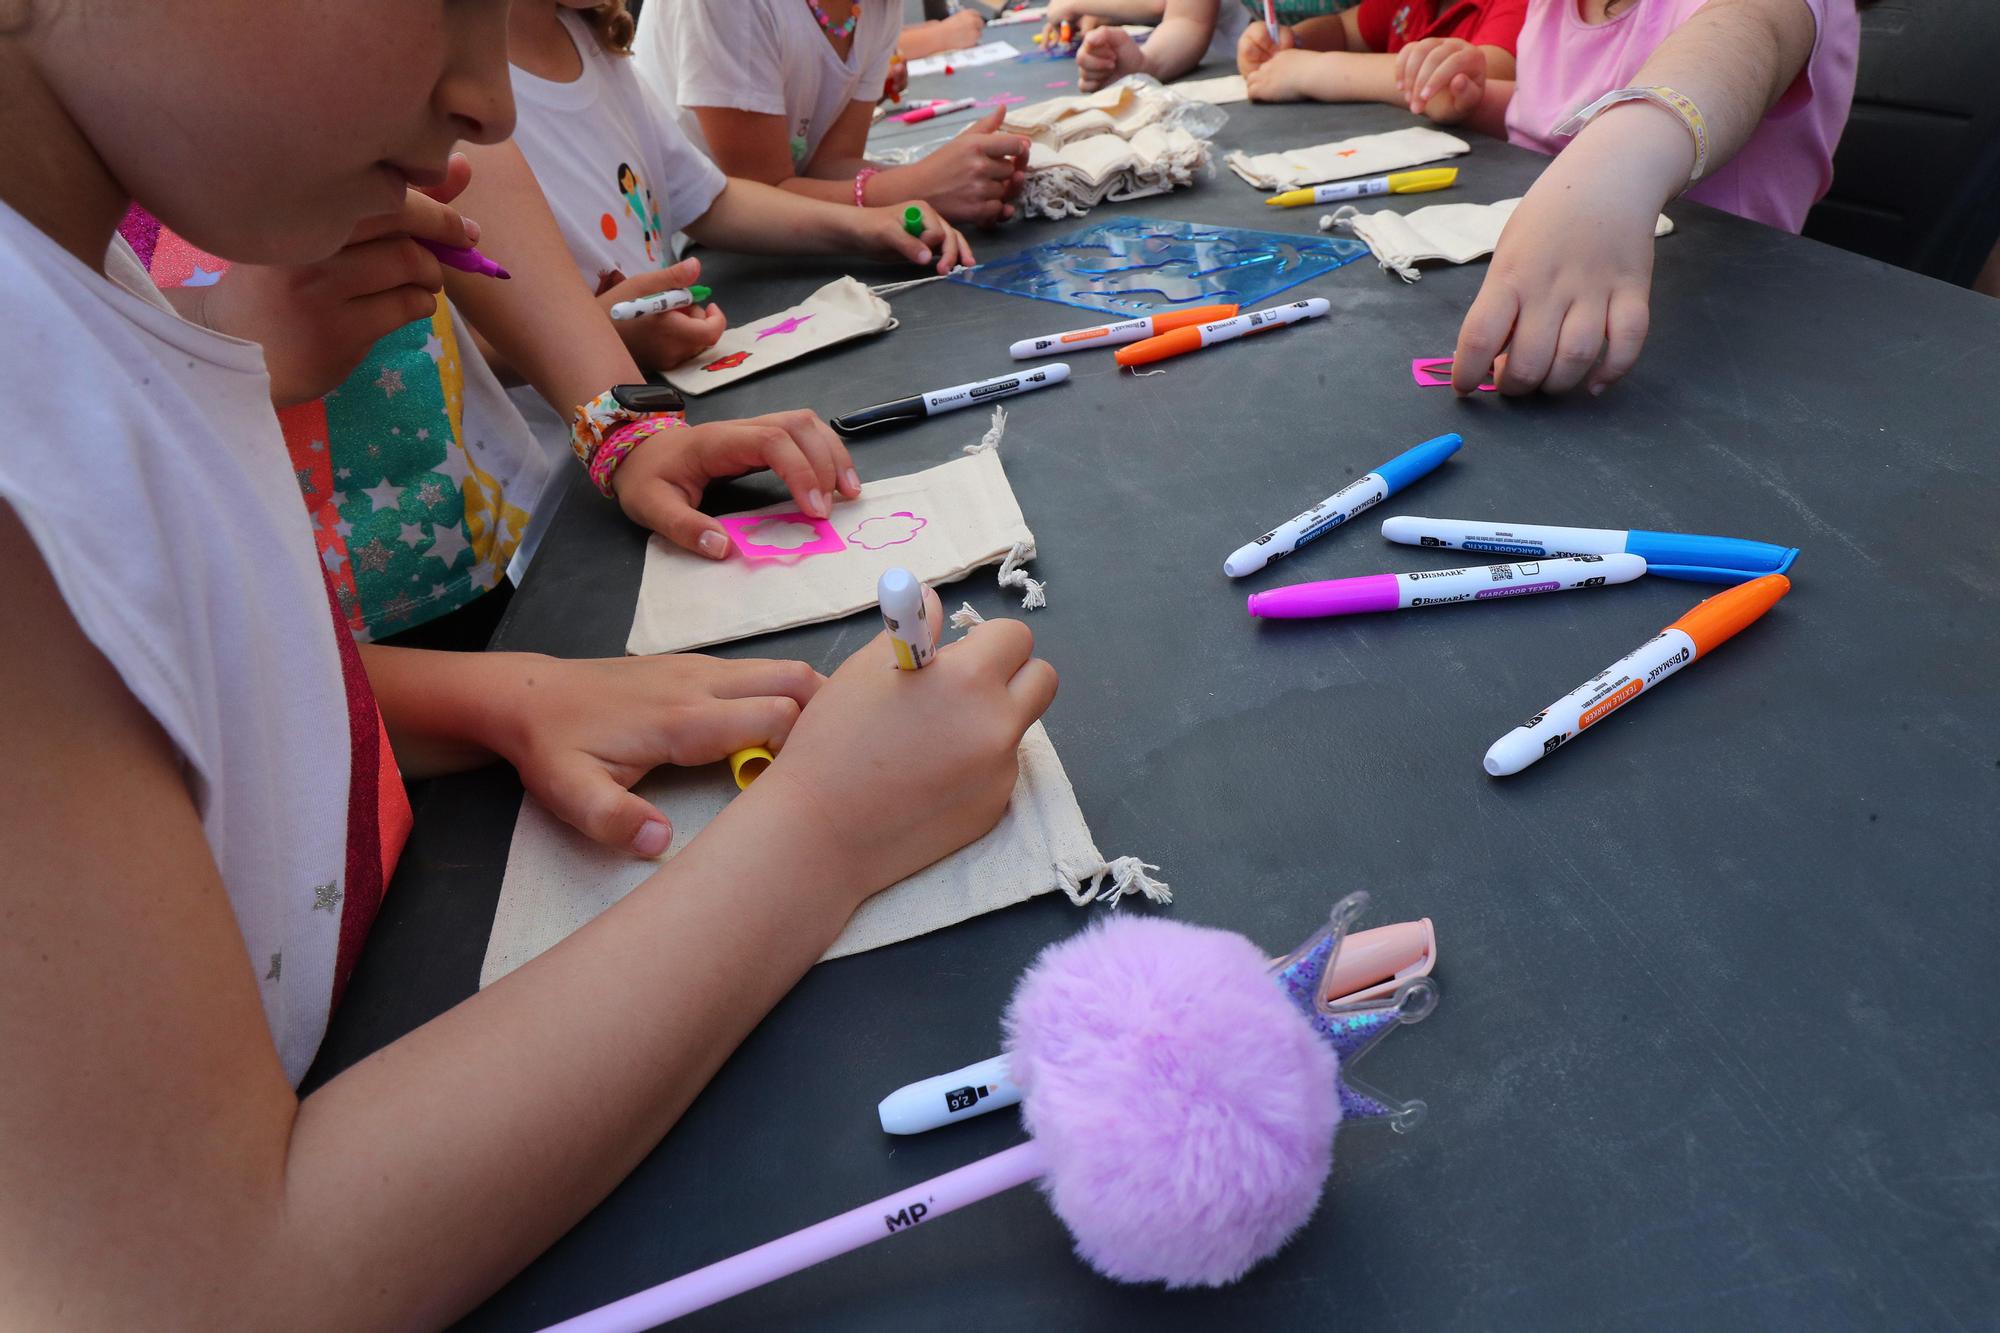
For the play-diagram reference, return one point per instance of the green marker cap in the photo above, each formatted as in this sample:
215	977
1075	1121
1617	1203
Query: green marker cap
699	293
913	220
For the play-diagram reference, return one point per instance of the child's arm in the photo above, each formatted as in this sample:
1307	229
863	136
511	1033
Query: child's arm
968	179
937	35
754	218
1570	278
1176	46
141	1069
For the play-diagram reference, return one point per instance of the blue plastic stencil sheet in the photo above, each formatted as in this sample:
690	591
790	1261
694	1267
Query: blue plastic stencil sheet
1141	266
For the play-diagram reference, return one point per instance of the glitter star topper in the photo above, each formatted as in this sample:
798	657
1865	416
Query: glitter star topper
1354	1029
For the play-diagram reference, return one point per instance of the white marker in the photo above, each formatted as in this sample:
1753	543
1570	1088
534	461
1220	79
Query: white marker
921	405
1194	337
959	1095
660	302
901	594
1441	587
1677	555
1125	331
1365	491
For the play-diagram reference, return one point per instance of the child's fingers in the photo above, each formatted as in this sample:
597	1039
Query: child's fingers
1428	73
1531	348
826	451
1000	647
582	794
1033	689
1578	343
381	265
1482	335
708	733
671	278
457	175
371	318
663	507
754	677
1625	327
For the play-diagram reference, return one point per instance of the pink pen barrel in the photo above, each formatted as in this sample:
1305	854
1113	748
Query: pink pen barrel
1330	597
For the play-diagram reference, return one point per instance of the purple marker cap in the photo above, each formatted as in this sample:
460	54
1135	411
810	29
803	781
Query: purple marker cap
1330	597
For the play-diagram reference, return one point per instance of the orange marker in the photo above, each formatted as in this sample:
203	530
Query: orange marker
1695	634
1222	330
1131	330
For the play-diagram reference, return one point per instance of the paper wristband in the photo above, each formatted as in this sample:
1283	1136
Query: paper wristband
1679	104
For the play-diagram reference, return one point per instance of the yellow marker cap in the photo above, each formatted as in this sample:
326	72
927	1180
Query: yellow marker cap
1419	182
745	765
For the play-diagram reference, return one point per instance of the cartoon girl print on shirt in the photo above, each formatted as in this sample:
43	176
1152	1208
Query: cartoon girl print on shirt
639	203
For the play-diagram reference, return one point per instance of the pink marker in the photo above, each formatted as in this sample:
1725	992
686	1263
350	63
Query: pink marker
1437	587
935	109
463	258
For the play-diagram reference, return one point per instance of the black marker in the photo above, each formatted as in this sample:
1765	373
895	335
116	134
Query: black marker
944	400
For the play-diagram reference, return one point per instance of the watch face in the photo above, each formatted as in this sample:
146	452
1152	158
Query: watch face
648	397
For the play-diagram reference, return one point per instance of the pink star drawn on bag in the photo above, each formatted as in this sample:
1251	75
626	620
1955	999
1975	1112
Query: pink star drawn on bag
784	326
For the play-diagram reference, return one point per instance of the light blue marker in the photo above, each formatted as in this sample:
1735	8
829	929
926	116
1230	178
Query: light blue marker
1364	492
1672	555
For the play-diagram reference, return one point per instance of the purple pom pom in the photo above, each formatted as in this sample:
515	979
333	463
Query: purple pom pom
1186	1107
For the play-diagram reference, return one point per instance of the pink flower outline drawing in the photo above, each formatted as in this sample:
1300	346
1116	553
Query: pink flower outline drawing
780	532
883	530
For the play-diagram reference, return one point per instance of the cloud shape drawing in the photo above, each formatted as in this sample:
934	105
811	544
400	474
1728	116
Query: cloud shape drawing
886	530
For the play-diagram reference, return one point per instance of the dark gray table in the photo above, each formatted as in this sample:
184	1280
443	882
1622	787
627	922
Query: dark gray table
1715	1045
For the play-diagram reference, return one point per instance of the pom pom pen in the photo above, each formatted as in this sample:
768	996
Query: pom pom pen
1364	492
1396	182
1176	1013
659	303
918	406
1442	587
463	258
1696	634
1373	965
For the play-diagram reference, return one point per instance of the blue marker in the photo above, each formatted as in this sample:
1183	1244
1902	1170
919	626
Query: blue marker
1364	492
1673	555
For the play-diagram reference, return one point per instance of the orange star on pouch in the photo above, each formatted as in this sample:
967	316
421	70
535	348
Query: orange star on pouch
730	362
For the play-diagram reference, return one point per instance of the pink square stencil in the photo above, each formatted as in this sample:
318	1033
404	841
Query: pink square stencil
1434	372
744	527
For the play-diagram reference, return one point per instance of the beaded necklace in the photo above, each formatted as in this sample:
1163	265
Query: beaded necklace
828	26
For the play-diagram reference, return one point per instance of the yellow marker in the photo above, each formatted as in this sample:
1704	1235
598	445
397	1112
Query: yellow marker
745	765
1401	182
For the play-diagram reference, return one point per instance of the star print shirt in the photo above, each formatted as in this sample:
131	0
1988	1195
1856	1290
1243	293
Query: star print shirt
143	459
764	56
619	177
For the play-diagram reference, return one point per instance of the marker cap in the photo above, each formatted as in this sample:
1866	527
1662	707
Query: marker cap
1160	346
1421	182
746	764
1329	597
699	293
1716	620
1169	320
1406	467
1680	555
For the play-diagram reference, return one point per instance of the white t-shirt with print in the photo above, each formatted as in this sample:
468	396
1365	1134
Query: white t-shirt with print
621	180
764	56
144	460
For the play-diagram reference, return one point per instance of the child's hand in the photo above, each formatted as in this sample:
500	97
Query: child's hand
961	30
1106	55
317	321
580	733
972	176
894	770
663	341
662	480
1255	47
882	231
1441	77
1283	78
1573	270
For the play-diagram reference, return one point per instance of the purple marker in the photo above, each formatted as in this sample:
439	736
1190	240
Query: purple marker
463	258
1436	587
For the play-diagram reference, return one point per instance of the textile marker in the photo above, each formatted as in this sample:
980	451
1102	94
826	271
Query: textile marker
1371	966
918	406
913	220
1397	182
1441	587
902	597
1674	555
1131	330
1695	634
463	258
936	109
1364	492
1222	330
660	302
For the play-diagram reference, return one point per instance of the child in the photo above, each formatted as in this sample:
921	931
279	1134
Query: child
1760	90
936	36
783	92
621	181
1349	57
173	948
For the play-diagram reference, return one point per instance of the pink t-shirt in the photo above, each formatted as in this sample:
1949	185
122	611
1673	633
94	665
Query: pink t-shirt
1564	63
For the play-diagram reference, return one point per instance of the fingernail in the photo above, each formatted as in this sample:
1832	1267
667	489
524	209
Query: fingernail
471	228
816	504
1598	389
652	837
713	545
852	481
924	255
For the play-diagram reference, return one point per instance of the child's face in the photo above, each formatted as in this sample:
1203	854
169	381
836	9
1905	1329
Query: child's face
263	132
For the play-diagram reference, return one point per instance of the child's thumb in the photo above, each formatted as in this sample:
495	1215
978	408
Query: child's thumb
990	122
684	274
582	794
